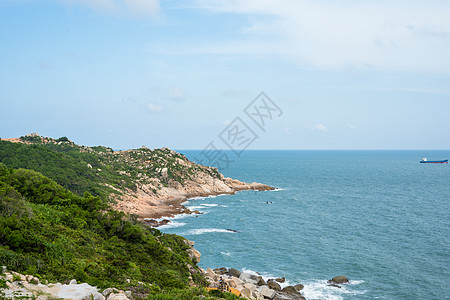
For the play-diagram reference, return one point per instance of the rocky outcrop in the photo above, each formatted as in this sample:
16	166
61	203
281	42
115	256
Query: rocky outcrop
338	280
29	287
252	286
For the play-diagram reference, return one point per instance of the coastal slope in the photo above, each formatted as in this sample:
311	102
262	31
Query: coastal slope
145	182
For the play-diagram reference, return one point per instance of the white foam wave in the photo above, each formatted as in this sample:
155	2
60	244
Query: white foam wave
319	289
277	190
267	276
207	230
171	225
228	253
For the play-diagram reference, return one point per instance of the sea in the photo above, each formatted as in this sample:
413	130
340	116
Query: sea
378	217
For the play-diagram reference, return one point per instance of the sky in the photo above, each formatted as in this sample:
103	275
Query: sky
353	74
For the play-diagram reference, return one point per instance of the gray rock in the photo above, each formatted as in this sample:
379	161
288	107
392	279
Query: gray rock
299	287
338	280
246	277
95	296
73	281
234	273
108	291
129	294
268	293
272	284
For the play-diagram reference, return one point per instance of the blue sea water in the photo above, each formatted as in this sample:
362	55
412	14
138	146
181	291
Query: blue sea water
378	217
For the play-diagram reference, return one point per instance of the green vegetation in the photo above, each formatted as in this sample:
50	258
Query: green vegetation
54	234
99	170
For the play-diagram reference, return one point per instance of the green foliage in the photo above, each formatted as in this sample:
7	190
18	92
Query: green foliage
48	231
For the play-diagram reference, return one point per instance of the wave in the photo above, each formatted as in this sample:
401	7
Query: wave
172	225
319	289
207	230
266	276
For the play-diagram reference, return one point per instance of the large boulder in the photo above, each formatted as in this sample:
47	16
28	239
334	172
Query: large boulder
299	287
246	277
272	284
237	281
280	280
338	280
247	293
267	293
234	273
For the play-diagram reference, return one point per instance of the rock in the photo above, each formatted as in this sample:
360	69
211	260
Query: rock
29	278
117	297
164	173
250	286
272	284
221	271
129	294
108	291
290	290
338	280
280	280
260	281
268	293
194	255
237	281
299	287
246	277
210	273
334	285
234	273
95	296
73	281
246	292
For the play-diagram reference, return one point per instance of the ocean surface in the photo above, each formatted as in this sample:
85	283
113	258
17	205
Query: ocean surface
379	217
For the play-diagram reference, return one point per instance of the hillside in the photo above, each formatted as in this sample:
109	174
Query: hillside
145	182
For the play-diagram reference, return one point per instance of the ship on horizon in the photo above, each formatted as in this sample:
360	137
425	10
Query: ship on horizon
426	161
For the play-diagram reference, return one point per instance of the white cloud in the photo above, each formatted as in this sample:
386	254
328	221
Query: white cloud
133	7
385	35
321	127
175	94
153	107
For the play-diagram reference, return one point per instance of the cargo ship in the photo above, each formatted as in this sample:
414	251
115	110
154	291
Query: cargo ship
426	161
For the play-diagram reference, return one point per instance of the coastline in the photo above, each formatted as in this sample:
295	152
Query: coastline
154	208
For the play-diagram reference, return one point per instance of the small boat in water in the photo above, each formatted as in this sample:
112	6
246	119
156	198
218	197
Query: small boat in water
426	161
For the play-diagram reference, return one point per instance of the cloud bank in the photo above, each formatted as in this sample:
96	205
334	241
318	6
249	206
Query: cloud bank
387	35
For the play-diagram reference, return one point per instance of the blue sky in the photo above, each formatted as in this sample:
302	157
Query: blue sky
125	73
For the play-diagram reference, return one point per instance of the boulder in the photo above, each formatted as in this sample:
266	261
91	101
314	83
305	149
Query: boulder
210	273
290	290
73	281
246	293
250	286
260	281
246	277
299	287
338	280
272	284
108	291
95	296
267	293
234	273
117	297
237	281
280	280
